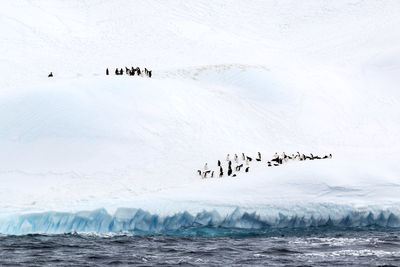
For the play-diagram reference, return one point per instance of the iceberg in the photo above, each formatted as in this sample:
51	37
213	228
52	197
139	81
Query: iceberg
77	148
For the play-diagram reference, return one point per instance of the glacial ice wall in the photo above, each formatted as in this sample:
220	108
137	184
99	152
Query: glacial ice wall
138	220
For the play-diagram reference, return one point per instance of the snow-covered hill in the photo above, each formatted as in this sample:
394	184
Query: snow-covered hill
279	76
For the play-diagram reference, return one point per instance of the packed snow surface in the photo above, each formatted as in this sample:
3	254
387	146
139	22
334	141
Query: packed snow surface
89	152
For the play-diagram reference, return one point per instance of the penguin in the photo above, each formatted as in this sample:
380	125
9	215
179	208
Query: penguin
238	167
284	157
247	169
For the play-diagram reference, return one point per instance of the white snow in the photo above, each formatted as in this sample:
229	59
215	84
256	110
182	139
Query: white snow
319	77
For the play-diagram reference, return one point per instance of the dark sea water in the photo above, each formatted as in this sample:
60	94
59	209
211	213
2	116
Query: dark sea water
224	247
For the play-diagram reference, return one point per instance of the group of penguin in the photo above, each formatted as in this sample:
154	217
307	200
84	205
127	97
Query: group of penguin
131	71
275	161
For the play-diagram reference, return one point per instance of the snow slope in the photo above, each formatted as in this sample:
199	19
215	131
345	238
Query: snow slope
314	77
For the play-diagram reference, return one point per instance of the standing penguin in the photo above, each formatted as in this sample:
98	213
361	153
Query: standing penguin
107	72
230	168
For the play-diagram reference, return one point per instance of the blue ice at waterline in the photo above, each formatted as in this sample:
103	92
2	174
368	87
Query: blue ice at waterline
126	219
